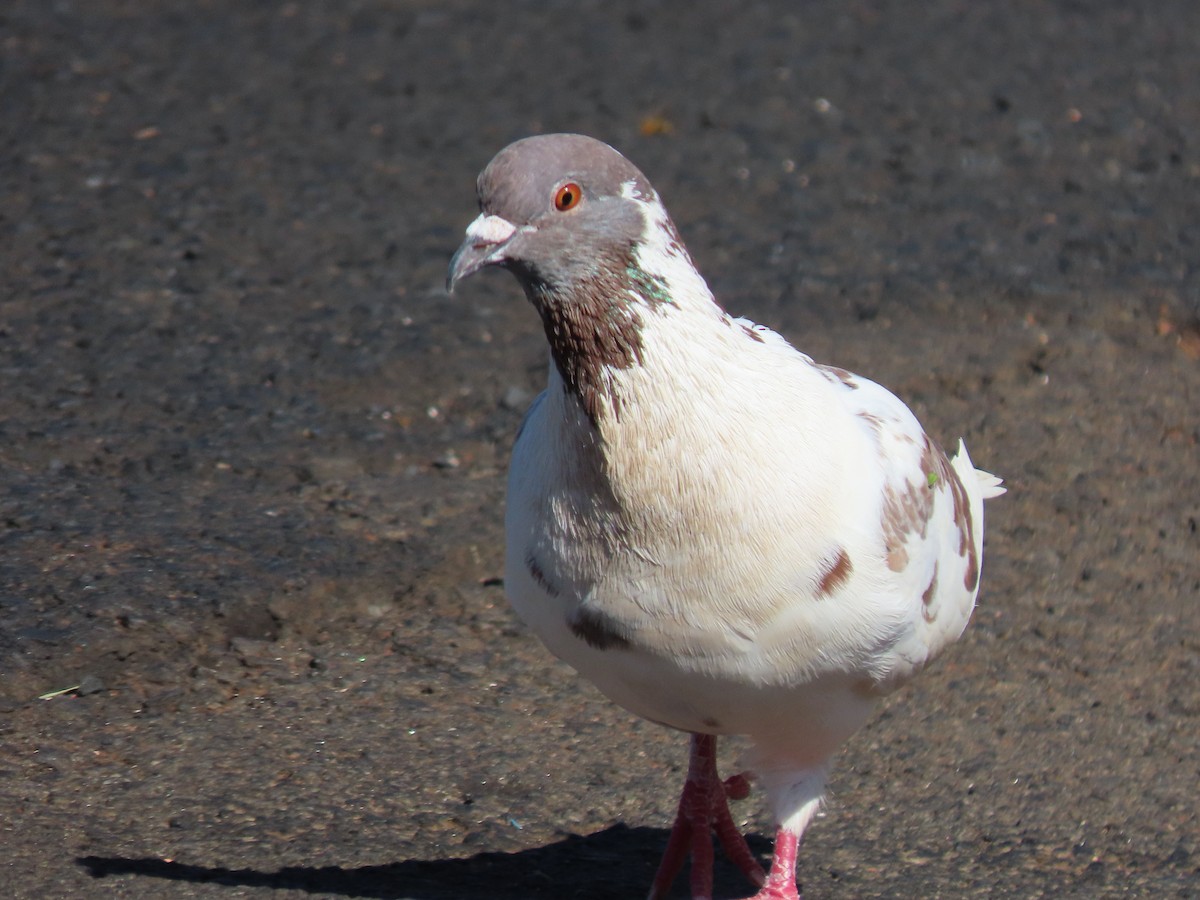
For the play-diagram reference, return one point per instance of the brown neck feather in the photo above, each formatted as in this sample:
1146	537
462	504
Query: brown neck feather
596	327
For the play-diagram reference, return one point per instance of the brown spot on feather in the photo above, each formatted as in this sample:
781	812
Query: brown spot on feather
907	511
971	576
598	630
874	422
837	375
834	573
539	576
963	520
674	243
927	609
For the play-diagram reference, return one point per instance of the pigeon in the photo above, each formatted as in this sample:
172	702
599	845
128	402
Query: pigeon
725	536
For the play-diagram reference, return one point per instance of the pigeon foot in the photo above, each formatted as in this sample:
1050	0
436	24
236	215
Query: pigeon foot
704	809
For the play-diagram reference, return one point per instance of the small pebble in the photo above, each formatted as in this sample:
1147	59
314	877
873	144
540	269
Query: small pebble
89	685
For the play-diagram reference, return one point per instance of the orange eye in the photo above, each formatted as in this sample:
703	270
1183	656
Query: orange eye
567	196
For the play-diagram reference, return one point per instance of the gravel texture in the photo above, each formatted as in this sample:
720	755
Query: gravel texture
251	453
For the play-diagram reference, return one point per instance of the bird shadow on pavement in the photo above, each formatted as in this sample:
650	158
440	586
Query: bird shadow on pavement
617	862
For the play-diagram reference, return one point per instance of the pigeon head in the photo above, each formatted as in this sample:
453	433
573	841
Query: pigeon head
579	226
556	210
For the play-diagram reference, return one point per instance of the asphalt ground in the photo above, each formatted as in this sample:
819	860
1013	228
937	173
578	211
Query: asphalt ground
251	453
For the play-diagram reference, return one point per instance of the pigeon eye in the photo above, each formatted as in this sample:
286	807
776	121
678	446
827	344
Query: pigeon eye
567	196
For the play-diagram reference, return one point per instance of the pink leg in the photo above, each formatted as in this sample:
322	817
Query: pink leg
781	883
703	809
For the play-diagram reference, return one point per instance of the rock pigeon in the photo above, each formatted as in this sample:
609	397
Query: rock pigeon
724	535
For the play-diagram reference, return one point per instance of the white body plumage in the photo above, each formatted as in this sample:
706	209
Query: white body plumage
726	553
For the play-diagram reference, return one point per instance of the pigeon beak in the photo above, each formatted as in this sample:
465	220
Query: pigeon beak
483	246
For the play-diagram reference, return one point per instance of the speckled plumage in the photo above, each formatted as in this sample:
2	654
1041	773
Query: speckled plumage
723	535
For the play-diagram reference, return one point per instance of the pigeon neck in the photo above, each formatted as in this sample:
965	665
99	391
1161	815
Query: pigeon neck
595	327
595	324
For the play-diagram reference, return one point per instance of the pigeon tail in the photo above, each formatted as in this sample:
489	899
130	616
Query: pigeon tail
989	485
